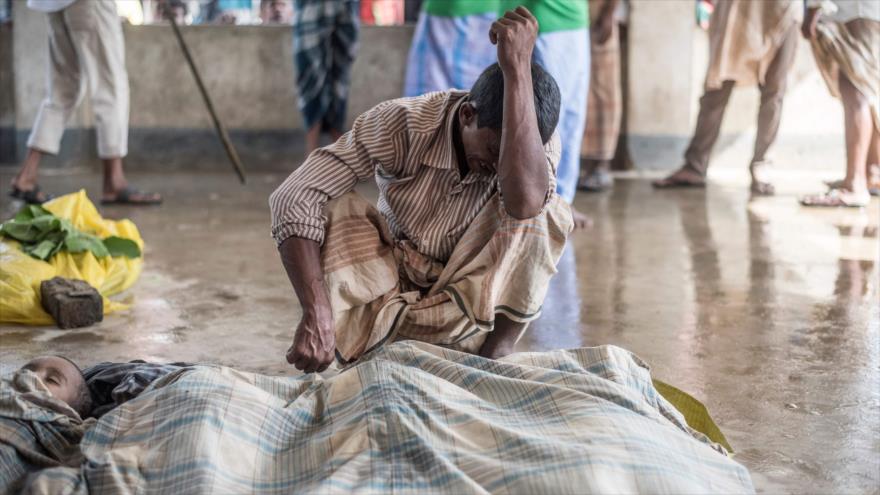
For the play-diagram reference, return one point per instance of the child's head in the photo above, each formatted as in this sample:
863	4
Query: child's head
64	380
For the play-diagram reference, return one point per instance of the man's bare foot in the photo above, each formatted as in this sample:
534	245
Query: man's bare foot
683	177
760	186
581	221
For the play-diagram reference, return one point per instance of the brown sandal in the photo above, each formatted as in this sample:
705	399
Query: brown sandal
670	182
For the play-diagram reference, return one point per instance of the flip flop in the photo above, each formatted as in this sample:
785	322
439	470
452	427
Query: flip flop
127	195
597	181
836	198
31	197
670	183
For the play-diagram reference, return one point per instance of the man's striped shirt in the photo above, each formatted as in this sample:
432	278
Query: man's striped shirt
407	145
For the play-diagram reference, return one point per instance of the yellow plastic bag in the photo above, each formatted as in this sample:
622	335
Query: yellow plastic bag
21	275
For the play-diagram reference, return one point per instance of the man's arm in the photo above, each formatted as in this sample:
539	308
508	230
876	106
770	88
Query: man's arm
314	343
522	163
298	225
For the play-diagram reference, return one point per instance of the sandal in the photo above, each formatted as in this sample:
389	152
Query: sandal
31	196
596	181
131	196
836	198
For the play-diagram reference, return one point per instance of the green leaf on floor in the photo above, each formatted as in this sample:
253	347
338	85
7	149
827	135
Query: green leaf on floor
79	242
29	212
42	234
117	246
42	250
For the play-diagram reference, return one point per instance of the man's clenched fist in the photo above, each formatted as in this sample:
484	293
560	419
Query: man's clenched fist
515	35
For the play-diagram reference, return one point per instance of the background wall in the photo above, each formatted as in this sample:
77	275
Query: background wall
249	72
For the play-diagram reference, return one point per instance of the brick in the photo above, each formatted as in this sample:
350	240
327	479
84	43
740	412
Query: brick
72	303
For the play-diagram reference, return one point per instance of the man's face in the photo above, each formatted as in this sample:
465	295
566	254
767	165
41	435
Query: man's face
482	145
60	377
277	12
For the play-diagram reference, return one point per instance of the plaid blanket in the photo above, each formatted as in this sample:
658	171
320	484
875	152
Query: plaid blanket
408	418
37	431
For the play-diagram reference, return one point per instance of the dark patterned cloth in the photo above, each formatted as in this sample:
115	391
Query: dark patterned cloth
112	384
324	43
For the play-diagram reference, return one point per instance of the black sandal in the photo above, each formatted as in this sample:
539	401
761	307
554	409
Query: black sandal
127	195
31	197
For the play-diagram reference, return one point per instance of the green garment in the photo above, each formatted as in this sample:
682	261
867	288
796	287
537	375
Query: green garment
42	234
552	15
461	8
555	15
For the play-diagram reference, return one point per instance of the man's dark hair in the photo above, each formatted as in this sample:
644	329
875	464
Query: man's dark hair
487	96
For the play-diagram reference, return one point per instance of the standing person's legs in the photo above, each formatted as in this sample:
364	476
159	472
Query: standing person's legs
696	158
770	112
65	91
604	113
96	32
873	170
312	60
566	56
343	41
859	130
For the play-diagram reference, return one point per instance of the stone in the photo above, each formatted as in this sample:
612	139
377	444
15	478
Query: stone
72	303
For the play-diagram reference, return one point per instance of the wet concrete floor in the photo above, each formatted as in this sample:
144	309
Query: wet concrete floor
766	311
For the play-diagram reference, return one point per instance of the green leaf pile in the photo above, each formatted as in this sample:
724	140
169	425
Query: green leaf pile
42	234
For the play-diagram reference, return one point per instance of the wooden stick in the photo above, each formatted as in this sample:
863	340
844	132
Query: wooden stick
221	130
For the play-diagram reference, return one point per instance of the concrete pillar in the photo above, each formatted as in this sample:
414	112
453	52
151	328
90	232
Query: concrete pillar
661	81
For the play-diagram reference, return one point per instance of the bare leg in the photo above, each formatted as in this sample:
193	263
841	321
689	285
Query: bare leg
335	134
873	171
114	176
313	138
770	111
874	148
501	340
24	185
859	128
26	179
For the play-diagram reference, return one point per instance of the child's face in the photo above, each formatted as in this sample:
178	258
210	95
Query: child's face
59	375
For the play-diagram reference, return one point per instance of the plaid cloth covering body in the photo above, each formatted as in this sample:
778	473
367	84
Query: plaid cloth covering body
408	418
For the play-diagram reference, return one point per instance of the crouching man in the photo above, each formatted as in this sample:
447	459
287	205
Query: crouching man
468	228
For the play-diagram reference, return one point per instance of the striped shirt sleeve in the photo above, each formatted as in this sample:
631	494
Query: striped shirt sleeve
376	138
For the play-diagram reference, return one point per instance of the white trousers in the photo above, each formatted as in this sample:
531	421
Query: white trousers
86	53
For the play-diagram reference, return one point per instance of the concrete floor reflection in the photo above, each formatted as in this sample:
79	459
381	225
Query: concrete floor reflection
765	311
